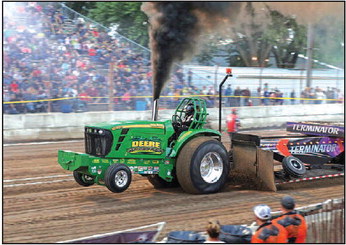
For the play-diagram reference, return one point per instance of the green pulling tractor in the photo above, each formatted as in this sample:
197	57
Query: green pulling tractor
176	152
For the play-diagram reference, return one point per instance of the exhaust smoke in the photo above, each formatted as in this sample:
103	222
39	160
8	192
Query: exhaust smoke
175	30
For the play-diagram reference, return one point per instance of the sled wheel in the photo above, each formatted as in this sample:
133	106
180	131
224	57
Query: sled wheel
118	177
83	179
293	166
202	166
160	183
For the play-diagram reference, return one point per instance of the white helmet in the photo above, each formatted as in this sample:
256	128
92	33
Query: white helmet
262	211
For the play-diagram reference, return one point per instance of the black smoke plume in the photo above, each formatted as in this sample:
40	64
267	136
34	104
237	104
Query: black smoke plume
175	30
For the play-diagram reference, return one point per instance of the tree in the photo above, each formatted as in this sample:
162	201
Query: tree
288	39
250	41
81	7
329	41
131	22
258	32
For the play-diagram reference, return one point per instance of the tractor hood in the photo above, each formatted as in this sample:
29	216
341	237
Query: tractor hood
129	124
128	139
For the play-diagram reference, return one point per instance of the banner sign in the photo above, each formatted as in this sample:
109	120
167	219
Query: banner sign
316	129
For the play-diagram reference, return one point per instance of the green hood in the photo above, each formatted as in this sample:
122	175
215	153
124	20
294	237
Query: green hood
128	124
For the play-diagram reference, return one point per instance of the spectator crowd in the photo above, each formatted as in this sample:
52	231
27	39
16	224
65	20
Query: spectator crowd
46	55
49	56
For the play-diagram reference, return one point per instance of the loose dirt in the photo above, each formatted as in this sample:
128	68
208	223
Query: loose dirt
42	203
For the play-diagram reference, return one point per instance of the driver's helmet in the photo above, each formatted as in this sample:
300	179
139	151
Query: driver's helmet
189	110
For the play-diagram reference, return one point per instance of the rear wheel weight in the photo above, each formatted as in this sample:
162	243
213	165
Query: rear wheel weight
202	166
118	177
83	179
293	166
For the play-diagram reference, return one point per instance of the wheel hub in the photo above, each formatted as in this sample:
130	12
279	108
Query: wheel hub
296	164
87	179
121	178
211	167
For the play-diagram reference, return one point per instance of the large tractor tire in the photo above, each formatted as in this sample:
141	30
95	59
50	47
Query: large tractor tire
160	183
202	166
293	166
83	179
118	177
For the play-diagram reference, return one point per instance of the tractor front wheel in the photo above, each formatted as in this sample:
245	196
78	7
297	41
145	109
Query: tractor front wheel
202	166
118	177
83	179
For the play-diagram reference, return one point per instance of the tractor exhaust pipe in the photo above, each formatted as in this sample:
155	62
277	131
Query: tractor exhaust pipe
228	74
155	108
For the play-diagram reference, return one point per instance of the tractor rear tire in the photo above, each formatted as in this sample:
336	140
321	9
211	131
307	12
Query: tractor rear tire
83	179
118	177
160	183
202	166
293	166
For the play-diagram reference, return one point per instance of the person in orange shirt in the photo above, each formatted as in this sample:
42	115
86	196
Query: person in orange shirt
267	232
293	222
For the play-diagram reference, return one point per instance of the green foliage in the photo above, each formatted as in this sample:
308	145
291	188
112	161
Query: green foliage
81	7
329	41
130	20
251	41
288	39
208	52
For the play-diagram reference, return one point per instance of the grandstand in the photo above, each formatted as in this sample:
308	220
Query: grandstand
57	60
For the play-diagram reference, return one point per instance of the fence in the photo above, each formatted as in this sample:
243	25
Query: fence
326	221
141	103
327	225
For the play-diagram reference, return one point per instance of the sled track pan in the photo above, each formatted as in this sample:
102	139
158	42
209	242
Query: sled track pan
252	166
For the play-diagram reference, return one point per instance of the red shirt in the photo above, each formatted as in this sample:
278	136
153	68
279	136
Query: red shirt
232	123
14	87
84	96
92	52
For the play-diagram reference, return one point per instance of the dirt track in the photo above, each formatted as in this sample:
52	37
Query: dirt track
55	208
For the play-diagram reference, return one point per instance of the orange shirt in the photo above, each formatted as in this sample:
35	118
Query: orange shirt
295	225
270	233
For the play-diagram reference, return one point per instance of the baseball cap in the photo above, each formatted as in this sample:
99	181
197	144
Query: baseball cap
288	202
262	211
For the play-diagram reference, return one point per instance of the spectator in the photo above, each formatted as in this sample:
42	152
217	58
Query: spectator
266	95
228	94
293	222
246	93
267	232
232	123
213	231
293	96
279	94
320	96
237	93
339	96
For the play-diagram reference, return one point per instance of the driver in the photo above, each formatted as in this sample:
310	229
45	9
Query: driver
189	113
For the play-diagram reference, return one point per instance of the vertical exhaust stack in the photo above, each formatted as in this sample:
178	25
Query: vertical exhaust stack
155	108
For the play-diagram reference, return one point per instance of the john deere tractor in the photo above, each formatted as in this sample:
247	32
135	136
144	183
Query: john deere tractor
176	152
